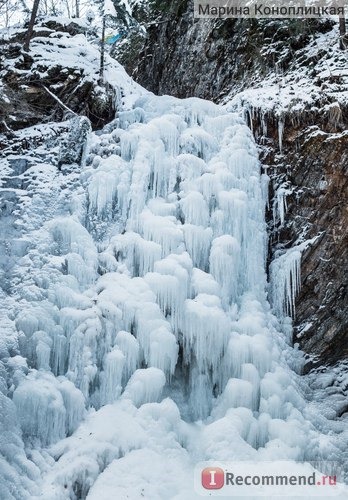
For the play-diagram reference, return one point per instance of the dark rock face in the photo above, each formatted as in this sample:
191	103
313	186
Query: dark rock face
321	170
315	168
183	56
204	58
211	59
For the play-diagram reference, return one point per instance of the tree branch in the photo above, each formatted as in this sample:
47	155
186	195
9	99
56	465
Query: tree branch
59	101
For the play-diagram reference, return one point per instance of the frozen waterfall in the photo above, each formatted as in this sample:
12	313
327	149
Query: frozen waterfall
145	336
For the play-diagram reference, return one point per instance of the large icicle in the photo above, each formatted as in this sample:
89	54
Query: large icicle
285	274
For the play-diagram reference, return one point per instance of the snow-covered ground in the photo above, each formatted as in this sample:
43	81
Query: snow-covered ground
317	74
137	339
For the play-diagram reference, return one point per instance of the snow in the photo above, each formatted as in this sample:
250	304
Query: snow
300	89
137	332
165	473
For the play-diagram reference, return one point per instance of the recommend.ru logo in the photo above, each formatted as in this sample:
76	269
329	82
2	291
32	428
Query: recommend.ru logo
213	478
270	479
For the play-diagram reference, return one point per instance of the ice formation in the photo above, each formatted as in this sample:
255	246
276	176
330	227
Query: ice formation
285	278
280	203
142	309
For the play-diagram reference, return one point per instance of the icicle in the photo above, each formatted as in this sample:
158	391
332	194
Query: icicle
127	118
167	290
159	206
286	280
265	181
282	205
139	255
47	409
160	181
209	186
155	338
162	230
102	188
130	348
250	112
238	353
43	344
128	145
59	351
142	168
27	323
264	123
237	393
70	236
224	265
280	133
170	283
74	404
168	132
205	332
41	411
218	124
147	253
195	209
64	296
163	350
200	394
202	282
190	167
234	206
197	142
112	376
145	386
250	373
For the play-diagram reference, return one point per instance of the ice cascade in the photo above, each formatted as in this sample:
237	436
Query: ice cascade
144	324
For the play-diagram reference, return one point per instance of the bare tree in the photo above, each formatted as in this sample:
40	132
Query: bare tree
343	34
102	49
31	24
24	6
5	12
11	10
68	8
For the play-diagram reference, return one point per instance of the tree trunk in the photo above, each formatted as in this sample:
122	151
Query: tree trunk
102	51
77	5
31	24
343	41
